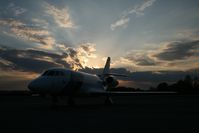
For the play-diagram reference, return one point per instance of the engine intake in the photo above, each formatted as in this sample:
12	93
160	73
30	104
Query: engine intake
111	82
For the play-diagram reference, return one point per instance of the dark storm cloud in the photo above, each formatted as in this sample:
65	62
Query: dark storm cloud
144	61
33	60
78	56
73	53
30	60
140	58
178	51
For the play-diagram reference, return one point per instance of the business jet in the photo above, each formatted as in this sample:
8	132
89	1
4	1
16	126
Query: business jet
64	82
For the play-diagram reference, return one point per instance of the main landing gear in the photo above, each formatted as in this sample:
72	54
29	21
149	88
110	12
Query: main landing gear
71	101
108	101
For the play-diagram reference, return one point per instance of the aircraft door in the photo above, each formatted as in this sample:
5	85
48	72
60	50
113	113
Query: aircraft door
74	84
60	81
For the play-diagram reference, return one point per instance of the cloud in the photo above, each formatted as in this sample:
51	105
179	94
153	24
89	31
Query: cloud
37	32
16	9
78	57
121	22
138	10
40	22
87	49
178	55
32	60
11	22
60	16
140	58
180	50
192	33
31	33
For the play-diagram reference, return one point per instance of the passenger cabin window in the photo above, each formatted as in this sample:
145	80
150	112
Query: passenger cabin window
61	74
53	73
56	73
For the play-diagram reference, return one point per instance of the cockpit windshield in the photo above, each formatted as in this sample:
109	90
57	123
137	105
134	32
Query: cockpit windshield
53	73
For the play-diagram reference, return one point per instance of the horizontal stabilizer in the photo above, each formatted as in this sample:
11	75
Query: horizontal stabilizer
115	74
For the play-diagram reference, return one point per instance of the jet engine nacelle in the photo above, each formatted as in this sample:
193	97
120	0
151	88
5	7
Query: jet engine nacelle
111	82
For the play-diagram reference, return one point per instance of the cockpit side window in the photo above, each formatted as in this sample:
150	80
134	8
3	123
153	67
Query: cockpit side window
45	73
56	73
51	73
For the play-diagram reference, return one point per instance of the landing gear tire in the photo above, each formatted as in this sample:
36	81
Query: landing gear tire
71	101
54	101
43	95
108	101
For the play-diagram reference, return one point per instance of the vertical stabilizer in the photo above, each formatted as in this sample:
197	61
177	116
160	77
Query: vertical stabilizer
107	66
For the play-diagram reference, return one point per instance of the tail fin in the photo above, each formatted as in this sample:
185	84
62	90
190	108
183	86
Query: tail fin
106	71
107	66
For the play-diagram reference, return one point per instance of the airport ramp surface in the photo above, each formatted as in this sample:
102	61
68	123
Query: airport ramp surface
135	113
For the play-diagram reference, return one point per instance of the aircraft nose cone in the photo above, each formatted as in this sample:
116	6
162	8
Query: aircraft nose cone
35	85
32	86
39	85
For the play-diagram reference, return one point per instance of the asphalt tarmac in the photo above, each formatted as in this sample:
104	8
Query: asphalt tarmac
136	113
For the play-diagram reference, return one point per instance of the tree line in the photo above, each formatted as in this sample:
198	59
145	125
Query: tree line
187	85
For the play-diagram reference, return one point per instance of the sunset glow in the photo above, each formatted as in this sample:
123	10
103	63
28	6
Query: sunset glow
139	36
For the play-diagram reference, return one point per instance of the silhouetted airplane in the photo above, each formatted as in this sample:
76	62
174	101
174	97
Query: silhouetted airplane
64	82
60	81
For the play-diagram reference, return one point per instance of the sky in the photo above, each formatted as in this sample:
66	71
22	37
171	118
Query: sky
139	36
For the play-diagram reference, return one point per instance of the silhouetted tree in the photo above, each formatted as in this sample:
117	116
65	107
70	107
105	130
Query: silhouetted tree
188	82
152	89
187	85
162	86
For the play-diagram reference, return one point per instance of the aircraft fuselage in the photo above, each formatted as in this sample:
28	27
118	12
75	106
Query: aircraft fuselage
59	81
